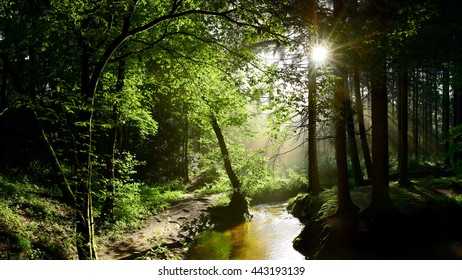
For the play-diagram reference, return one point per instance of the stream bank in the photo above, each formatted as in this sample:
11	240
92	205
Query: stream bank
426	223
164	235
194	229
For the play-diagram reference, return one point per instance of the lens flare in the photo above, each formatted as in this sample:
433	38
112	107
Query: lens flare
319	54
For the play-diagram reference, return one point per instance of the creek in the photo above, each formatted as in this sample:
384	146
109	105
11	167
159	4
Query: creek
267	236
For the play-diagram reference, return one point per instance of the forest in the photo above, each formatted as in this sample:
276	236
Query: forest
137	129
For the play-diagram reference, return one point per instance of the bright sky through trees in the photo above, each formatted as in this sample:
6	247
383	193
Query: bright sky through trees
319	54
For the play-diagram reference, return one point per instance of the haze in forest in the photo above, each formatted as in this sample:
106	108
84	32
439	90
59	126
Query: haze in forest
118	117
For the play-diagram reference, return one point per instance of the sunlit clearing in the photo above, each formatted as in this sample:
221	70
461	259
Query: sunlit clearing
319	54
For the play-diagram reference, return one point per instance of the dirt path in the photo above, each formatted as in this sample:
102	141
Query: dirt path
169	228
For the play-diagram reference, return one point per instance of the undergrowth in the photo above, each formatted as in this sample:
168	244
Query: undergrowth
33	225
262	187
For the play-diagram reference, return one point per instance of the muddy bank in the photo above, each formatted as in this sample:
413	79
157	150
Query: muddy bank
164	235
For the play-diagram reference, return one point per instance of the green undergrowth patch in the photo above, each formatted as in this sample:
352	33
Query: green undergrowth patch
137	201
308	207
33	225
157	198
278	188
429	192
221	185
260	189
439	194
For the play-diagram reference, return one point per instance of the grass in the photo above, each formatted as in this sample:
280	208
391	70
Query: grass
33	225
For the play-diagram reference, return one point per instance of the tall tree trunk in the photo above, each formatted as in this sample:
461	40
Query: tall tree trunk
314	186
380	167
344	199
108	207
345	204
353	147
3	119
313	171
185	161
436	109
415	109
457	91
403	153
362	128
86	247
445	128
427	114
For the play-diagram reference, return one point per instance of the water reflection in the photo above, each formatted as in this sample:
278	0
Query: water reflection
267	237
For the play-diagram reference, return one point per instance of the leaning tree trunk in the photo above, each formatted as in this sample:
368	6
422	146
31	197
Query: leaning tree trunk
238	204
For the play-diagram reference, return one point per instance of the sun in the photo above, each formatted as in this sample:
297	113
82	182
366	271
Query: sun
319	54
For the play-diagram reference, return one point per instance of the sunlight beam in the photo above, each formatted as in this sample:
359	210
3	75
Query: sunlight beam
319	54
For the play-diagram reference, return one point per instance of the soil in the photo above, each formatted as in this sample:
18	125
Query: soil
164	235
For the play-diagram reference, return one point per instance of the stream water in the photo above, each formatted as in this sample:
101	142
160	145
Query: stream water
268	236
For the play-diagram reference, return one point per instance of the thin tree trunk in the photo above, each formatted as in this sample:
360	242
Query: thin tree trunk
3	119
108	207
457	91
314	186
313	171
86	248
362	128
445	128
436	111
345	204
65	186
429	113
403	127
185	165
415	108
353	147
